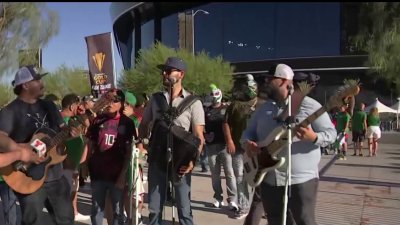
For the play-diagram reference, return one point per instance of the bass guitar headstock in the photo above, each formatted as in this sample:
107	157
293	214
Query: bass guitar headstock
343	94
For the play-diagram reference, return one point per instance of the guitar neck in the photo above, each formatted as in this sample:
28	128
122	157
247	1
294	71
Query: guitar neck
60	137
311	118
64	134
276	146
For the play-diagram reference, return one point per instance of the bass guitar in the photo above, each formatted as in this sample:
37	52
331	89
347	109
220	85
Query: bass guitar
26	178
256	166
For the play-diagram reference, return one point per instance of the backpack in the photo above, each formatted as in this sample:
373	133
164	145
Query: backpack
184	144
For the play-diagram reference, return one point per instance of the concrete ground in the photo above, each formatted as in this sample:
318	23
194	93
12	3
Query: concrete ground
356	191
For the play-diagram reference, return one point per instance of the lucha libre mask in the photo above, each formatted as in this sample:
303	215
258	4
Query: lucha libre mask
216	94
244	88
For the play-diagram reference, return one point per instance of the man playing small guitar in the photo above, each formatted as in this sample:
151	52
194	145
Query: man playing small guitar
20	120
305	150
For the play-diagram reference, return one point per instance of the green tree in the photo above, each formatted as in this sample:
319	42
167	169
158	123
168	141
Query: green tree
24	25
6	94
379	36
61	82
67	80
202	71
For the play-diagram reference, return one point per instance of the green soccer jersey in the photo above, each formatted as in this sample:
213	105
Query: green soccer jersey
342	119
373	120
357	121
75	147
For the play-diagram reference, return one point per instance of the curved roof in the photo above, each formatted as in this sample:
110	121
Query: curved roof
117	9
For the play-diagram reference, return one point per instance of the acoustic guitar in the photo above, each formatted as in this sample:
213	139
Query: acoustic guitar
26	178
257	166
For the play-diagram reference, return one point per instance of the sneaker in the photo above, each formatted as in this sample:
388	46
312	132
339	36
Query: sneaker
360	155
80	217
233	206
239	214
140	221
218	204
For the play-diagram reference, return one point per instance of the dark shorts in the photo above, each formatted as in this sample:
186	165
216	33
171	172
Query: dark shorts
358	136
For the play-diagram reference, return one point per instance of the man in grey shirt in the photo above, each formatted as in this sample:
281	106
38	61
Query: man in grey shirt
305	153
173	71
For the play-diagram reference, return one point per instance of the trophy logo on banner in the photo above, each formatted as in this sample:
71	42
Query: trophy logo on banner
101	65
100	79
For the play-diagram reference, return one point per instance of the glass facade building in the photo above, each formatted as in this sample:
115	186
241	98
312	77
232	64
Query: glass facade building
239	32
308	36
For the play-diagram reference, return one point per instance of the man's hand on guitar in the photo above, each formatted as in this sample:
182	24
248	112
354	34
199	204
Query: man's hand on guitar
252	148
186	169
27	155
231	148
306	133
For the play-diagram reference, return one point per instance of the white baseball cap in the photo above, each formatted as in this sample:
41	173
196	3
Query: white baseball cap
282	71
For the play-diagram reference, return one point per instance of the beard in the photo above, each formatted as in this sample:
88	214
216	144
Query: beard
167	81
267	91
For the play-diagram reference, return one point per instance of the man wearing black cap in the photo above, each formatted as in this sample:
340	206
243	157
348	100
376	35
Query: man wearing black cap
19	120
305	153
173	72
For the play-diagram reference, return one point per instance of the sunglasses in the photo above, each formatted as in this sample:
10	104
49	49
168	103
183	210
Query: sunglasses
169	70
117	98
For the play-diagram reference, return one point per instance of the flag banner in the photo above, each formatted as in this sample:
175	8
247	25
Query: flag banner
101	67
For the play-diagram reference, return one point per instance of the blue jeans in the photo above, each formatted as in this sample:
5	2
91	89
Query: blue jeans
203	159
157	189
9	202
217	156
242	186
99	191
55	196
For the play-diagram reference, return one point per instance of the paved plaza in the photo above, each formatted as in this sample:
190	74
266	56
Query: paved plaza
356	191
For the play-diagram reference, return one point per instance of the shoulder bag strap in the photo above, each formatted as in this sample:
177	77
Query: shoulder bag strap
186	103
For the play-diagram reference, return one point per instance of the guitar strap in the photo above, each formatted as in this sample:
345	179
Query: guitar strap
162	103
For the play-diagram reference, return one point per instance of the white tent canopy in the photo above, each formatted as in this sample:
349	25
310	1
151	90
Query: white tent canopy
381	107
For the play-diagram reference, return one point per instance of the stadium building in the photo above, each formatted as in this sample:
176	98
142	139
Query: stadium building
312	37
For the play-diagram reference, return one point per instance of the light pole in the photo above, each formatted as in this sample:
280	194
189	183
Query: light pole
193	14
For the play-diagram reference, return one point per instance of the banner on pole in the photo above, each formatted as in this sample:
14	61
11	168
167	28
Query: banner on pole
101	67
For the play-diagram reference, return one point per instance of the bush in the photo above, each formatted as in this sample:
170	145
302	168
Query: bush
202	71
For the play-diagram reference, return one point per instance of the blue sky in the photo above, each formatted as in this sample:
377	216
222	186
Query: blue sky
77	20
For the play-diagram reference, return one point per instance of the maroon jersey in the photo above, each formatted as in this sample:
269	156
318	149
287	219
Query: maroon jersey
111	138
